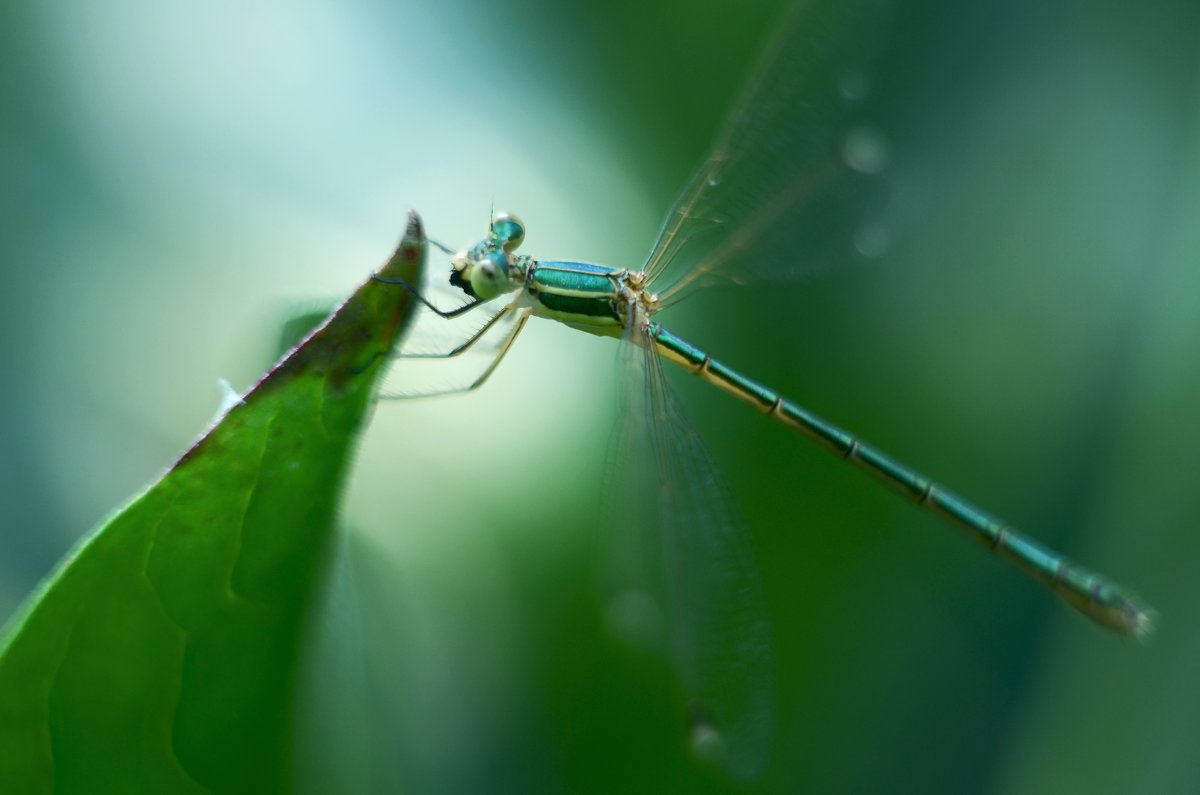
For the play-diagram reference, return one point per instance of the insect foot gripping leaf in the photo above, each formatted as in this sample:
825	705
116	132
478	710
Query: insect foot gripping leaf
161	655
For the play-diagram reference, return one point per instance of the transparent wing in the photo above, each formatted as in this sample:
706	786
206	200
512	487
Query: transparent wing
683	571
795	179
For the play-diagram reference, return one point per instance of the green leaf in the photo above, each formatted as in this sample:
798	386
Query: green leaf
161	656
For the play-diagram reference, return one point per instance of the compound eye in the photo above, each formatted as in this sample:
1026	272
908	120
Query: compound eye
509	230
489	275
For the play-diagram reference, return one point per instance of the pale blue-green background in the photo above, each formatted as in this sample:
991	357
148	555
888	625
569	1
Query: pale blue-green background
179	178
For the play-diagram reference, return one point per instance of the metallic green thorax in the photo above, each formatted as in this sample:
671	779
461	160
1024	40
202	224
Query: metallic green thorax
577	293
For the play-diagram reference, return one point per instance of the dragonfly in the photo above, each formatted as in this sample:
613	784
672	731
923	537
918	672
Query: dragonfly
783	189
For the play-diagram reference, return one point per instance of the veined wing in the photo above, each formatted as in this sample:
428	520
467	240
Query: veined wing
794	176
684	573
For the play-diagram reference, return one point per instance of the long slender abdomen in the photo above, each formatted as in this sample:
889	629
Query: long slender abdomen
1089	593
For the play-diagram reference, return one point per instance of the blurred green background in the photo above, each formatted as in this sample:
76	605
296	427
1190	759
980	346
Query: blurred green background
177	180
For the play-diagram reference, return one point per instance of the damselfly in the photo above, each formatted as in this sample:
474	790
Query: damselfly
783	187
